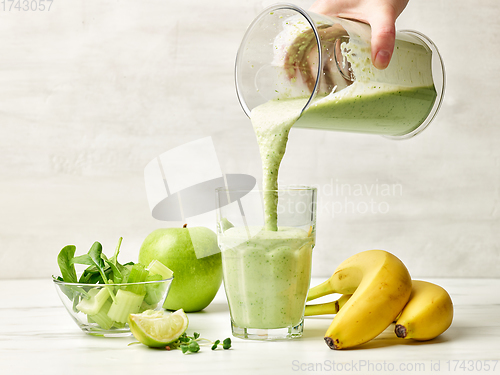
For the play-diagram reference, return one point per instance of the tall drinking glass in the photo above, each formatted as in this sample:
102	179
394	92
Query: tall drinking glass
266	273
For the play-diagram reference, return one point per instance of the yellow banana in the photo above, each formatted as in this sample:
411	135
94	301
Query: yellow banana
380	286
327	308
428	313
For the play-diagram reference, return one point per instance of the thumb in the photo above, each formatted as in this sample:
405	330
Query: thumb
383	36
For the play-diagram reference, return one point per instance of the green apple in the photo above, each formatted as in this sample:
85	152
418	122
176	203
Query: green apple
197	268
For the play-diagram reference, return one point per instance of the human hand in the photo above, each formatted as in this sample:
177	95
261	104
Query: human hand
380	14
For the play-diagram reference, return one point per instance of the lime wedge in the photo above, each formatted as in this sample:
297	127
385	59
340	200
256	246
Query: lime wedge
157	328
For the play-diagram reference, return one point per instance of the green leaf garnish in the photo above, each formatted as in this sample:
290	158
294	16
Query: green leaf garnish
214	346
184	338
194	347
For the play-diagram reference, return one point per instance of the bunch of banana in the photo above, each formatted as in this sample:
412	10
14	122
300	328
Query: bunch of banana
376	287
380	286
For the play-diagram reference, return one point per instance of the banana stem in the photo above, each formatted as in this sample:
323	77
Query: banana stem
327	308
319	291
322	308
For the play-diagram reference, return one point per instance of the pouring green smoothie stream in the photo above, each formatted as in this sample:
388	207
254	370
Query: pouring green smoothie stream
387	102
267	269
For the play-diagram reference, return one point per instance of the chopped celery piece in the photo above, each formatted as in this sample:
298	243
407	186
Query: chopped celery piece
76	301
125	273
118	325
126	303
92	305
158	268
138	274
145	306
154	292
102	318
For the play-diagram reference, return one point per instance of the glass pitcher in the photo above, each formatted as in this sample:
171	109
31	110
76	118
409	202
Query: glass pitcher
323	65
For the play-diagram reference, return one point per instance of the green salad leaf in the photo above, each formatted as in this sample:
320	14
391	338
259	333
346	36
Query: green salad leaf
95	253
64	260
83	259
117	274
114	258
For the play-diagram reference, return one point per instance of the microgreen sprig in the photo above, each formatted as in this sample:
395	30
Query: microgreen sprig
226	344
190	344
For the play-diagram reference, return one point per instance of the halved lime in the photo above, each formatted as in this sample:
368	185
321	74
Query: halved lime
157	328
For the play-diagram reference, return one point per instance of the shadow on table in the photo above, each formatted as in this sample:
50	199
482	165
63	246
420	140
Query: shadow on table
214	307
318	325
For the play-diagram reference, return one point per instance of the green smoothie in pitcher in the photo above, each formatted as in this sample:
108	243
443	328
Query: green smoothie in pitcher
392	102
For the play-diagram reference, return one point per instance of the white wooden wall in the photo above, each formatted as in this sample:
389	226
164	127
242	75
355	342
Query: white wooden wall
90	92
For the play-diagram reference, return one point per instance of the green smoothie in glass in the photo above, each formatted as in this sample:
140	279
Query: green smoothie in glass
267	276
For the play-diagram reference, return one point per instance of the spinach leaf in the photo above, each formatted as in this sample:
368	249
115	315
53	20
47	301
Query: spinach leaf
84	278
120	272
95	278
95	254
76	301
117	275
72	292
64	260
88	273
114	258
83	259
65	289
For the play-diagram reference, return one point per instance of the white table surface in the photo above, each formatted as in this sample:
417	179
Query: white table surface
37	336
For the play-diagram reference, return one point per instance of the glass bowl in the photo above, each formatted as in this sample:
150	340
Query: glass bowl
103	309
